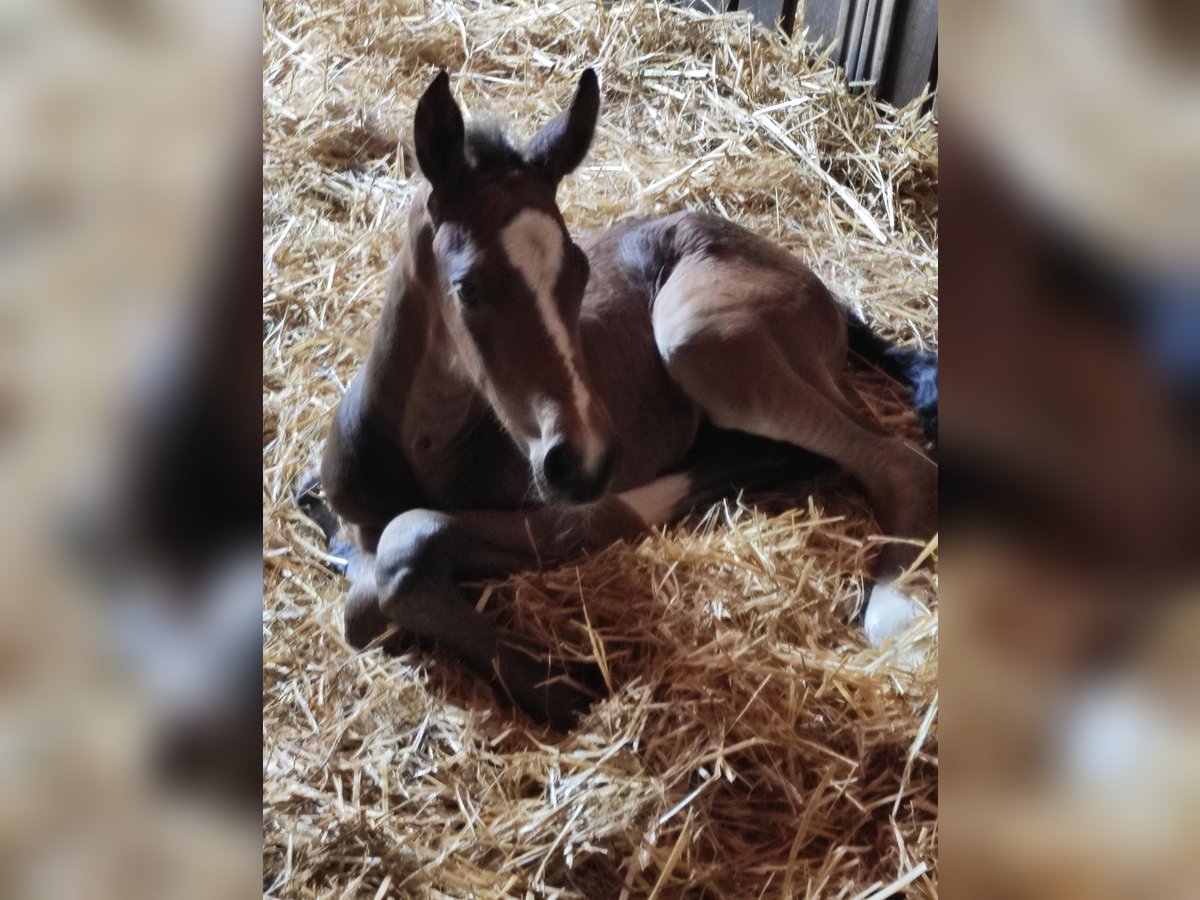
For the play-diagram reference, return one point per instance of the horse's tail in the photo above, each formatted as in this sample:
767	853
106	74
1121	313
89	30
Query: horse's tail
911	366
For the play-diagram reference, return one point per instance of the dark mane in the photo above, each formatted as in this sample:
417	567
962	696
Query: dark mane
489	150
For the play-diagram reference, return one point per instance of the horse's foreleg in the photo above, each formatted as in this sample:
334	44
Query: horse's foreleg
422	554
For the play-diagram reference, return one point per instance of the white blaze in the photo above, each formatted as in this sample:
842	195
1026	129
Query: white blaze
534	245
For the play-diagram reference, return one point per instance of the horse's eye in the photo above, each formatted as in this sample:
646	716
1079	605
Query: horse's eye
468	293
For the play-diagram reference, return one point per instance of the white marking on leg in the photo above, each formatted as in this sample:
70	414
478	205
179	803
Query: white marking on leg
534	245
888	615
656	502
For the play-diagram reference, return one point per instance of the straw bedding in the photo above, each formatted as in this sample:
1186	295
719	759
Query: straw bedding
753	745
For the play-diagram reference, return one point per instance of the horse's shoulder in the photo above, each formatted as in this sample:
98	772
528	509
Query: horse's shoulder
364	472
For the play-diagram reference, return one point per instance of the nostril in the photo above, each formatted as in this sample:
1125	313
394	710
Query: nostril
561	465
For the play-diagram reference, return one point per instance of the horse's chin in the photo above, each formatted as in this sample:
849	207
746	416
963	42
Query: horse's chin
591	497
551	496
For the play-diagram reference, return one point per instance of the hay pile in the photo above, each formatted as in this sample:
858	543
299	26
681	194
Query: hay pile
753	746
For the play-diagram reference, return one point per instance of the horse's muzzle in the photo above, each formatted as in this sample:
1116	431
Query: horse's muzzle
567	477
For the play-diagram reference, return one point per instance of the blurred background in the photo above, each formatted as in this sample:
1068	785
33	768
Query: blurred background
130	203
1070	322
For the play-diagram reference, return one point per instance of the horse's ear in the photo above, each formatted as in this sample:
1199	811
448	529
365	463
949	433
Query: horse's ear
438	134
561	146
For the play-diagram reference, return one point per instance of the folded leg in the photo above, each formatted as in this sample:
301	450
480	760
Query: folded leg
422	556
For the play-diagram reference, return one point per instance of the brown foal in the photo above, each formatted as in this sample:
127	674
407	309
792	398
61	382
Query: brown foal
528	398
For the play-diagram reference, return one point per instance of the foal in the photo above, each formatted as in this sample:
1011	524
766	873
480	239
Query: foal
528	398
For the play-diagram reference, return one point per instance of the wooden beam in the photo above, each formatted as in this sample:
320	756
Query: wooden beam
768	12
843	25
914	41
710	6
826	24
863	64
883	41
858	17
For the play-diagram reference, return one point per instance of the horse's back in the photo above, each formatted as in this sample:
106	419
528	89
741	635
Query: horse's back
699	274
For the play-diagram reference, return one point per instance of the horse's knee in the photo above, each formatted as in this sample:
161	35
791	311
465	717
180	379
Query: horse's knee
411	560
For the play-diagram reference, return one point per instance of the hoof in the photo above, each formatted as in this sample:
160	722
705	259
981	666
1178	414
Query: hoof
557	697
306	491
888	615
342	552
565	705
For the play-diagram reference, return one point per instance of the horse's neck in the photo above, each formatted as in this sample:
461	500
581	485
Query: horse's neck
412	370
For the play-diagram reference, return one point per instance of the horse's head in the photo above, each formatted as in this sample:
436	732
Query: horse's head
512	280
